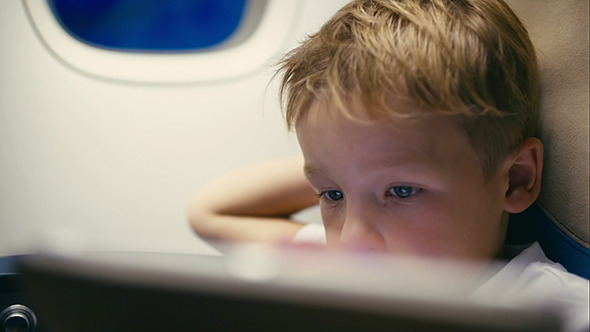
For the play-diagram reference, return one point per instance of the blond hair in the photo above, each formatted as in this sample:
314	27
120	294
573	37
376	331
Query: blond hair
467	58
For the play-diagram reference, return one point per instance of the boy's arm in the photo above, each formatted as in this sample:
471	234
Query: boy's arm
253	204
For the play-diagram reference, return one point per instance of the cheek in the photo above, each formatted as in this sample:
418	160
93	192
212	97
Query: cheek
418	226
482	206
430	229
468	227
332	221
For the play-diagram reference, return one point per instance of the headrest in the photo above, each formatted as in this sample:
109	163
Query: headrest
559	31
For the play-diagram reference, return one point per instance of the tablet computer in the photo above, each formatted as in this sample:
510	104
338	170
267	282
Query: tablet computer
257	288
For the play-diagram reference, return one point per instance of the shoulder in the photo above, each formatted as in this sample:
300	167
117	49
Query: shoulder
532	272
536	270
531	279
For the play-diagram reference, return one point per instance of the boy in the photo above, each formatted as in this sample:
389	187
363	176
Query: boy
416	120
417	124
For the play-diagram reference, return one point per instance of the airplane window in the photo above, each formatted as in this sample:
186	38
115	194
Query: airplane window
179	41
150	25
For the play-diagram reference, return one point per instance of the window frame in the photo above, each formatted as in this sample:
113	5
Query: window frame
267	24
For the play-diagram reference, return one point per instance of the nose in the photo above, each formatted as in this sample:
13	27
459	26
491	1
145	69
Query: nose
359	232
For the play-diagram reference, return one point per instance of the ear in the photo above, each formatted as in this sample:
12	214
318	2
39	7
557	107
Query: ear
525	170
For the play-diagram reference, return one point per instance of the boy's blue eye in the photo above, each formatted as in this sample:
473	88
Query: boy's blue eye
402	191
333	195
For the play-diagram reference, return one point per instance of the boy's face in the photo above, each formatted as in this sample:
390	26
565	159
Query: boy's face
414	188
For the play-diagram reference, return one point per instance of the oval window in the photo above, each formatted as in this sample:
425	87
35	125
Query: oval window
150	25
165	41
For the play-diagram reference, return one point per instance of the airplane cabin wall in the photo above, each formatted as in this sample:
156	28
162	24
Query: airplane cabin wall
108	165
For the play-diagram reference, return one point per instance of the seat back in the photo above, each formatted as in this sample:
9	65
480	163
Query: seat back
560	220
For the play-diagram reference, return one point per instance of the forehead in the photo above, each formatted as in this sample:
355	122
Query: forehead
325	133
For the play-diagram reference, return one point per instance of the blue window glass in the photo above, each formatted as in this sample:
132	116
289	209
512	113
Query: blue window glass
150	25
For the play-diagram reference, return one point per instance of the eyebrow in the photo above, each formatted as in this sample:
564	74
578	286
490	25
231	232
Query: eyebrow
309	170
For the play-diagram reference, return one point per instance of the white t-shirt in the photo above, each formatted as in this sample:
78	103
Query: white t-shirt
528	277
532	277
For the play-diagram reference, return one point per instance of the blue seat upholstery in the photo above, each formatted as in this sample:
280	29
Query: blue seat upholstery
534	225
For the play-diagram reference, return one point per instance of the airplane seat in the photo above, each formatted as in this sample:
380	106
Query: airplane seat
559	219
